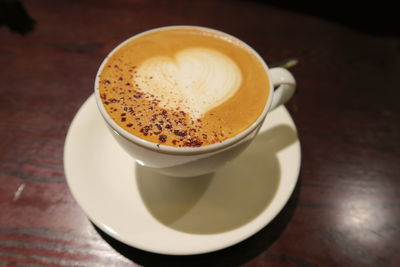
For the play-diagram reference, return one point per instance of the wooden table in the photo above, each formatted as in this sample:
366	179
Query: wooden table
346	208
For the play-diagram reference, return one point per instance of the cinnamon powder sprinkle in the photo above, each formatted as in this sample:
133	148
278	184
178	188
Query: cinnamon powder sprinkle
143	114
162	138
193	142
180	133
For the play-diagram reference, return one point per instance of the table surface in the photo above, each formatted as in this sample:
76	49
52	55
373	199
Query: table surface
345	210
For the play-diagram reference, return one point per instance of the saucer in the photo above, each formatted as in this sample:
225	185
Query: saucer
180	216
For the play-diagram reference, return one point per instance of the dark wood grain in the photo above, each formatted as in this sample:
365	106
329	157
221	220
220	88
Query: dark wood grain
346	210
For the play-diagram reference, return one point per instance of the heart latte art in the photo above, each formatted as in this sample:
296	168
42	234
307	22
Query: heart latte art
195	80
183	86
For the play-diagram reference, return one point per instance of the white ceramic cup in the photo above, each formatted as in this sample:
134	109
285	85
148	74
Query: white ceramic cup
189	161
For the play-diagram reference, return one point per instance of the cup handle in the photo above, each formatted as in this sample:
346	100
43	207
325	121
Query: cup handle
286	85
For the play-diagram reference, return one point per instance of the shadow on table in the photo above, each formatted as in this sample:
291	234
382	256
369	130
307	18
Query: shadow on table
232	256
14	15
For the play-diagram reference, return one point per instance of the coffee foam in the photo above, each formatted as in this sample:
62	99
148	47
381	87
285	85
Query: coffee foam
196	79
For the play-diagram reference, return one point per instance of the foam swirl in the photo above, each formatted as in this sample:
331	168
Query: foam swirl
195	80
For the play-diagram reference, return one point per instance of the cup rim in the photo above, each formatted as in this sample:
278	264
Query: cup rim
181	150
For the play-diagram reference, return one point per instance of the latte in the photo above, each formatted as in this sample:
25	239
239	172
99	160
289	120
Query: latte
184	86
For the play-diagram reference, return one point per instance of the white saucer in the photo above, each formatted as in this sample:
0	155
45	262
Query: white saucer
180	216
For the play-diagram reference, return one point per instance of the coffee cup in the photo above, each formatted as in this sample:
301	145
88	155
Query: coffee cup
185	100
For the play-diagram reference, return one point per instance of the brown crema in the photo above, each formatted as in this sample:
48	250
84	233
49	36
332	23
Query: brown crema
141	114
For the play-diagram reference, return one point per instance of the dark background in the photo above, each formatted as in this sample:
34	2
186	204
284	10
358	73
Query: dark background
375	17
